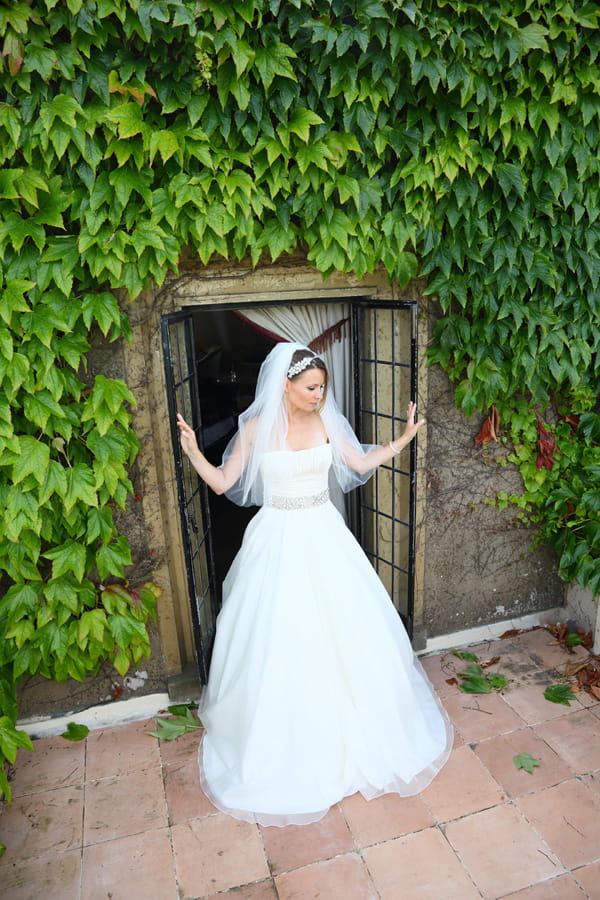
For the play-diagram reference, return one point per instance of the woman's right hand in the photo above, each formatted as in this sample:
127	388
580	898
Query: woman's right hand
187	438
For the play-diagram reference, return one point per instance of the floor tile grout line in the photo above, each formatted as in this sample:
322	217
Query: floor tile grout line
133	834
457	856
84	788
370	874
359	849
543	840
267	857
169	825
357	852
178	892
584	894
124	774
323	859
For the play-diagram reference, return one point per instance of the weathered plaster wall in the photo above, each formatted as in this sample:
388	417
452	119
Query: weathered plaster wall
478	565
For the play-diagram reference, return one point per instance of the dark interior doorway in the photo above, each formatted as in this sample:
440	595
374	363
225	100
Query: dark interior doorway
229	353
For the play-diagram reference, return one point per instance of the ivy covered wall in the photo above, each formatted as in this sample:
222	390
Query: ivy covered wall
455	140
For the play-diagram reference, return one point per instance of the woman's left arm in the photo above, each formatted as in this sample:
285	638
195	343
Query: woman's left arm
380	455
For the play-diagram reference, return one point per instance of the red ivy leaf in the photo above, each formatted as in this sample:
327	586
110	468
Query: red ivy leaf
546	447
573	421
489	429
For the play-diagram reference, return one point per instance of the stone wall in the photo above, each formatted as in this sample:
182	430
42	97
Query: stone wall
479	568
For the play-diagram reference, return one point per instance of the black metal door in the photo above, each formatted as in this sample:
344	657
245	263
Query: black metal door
182	393
384	348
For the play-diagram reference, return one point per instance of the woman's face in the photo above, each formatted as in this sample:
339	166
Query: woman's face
305	392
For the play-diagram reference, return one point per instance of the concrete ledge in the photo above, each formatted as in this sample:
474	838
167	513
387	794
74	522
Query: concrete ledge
491	632
120	712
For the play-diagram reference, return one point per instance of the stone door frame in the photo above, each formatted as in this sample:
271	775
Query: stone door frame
233	285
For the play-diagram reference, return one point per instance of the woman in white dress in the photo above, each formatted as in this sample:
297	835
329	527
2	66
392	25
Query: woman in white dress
314	691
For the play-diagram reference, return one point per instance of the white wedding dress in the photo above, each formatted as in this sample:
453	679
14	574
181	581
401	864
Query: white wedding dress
314	691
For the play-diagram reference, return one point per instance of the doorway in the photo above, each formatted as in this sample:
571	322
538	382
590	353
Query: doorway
212	356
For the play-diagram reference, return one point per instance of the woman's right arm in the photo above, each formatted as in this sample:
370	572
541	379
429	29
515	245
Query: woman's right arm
218	479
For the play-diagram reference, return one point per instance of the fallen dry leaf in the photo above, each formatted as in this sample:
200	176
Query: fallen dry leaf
490	662
572	668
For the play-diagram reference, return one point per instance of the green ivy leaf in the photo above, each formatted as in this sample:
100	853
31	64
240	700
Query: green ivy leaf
22	513
510	178
13	298
182	721
525	761
69	556
166	142
111	558
75	732
463	654
11	739
55	482
40	406
559	693
105	403
33	458
168	730
474	681
93	623
65	591
274	60
81	487
127	117
19	600
103	308
534	37
29	183
300	121
497	681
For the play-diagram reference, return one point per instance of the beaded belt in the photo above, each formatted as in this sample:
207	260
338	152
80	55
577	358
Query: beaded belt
300	502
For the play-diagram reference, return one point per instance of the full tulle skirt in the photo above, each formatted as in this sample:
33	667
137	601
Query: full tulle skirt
314	690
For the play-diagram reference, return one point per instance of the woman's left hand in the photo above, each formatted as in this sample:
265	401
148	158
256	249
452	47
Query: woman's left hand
410	429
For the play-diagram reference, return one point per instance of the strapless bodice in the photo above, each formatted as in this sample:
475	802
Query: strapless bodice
296	473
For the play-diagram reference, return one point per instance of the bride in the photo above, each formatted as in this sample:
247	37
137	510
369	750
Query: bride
314	692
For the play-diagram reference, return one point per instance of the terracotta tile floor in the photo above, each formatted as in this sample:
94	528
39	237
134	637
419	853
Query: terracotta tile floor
122	816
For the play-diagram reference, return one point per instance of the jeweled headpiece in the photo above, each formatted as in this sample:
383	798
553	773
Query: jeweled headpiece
300	366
